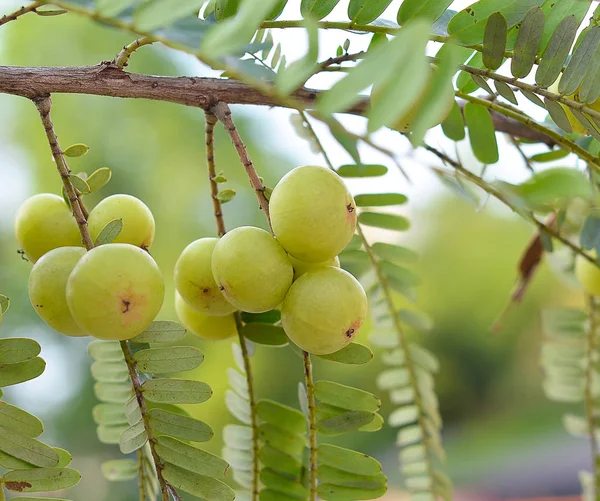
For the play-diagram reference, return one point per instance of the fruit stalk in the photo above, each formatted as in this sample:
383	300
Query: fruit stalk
211	121
122	58
22	11
44	106
312	425
223	113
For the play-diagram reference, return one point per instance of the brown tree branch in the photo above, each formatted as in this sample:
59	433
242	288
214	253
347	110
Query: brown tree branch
108	80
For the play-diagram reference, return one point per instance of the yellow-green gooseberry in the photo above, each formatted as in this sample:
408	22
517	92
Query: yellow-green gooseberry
301	267
210	328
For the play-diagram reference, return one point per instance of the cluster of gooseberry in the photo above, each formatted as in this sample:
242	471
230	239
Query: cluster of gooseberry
313	217
115	290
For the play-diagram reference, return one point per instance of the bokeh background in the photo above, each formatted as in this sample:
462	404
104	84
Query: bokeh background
504	439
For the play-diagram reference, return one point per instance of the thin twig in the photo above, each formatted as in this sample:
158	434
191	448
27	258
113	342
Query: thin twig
312	426
525	158
22	11
44	106
122	58
211	121
223	113
141	474
253	410
498	195
137	388
340	59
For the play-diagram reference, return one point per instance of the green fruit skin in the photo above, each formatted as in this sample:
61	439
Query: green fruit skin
301	267
252	269
48	289
323	310
210	328
312	213
588	275
115	291
44	222
195	282
138	221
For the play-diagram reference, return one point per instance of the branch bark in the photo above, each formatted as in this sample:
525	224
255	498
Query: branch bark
106	79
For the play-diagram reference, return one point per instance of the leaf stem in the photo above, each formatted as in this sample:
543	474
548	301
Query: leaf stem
44	106
141	474
253	409
211	121
589	390
137	388
22	11
312	425
122	58
223	113
525	120
498	195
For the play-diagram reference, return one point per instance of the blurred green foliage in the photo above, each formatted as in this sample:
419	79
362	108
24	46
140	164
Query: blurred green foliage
155	150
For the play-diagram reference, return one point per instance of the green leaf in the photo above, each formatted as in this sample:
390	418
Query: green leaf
554	187
152	15
132	411
113	393
19	421
170	359
396	95
266	334
118	470
394	253
176	391
454	125
556	53
380	199
234	33
580	62
197	485
528	42
226	195
346	140
555	12
20	372
353	354
12	463
506	92
558	115
4	303
590	233
549	156
282	415
16	349
494	41
346	397
354	170
399	273
268	317
468	26
415	319
80	184
110	231
109	351
76	150
533	98
133	438
330	492
344	422
191	458
434	104
27	449
482	83
112	8
347	460
99	178
110	372
280	487
226	8
109	414
385	221
175	425
482	134
49	13
428	9
366	11
282	439
161	331
317	9
41	479
64	458
329	475
110	434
